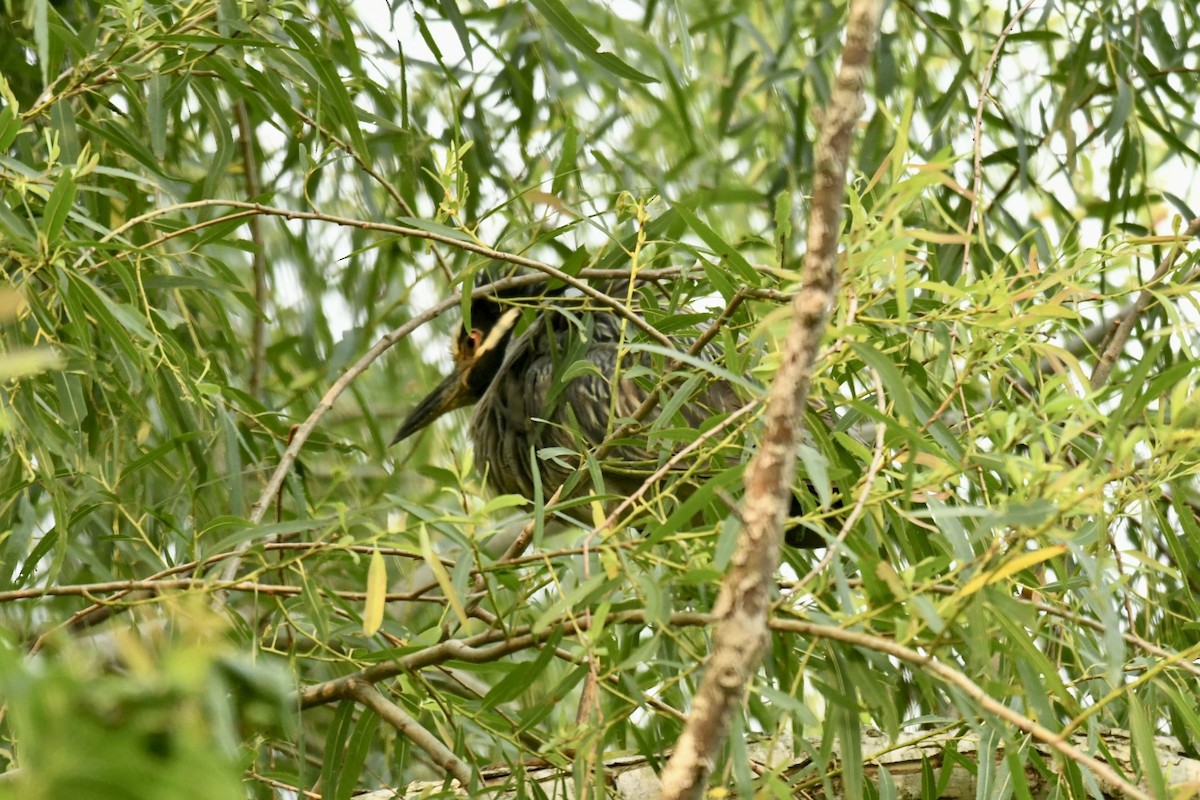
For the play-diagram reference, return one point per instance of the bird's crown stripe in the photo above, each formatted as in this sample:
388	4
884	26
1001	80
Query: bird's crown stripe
502	326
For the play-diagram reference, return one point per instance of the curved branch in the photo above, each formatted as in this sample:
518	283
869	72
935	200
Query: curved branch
960	681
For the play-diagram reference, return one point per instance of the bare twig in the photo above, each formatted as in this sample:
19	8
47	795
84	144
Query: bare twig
977	187
258	264
868	481
741	607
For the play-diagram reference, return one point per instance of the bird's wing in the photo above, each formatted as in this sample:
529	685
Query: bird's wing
578	404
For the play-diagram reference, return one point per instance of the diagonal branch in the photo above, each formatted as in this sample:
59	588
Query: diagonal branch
741	608
1116	344
392	714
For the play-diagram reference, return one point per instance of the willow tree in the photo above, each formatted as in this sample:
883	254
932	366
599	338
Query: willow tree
235	240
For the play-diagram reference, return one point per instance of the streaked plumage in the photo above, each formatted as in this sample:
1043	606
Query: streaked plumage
532	395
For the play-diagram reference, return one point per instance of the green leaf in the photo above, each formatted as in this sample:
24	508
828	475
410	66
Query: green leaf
450	12
329	87
572	602
336	739
722	249
10	126
39	13
522	677
353	757
58	206
565	169
578	37
156	114
502	503
1145	755
442	576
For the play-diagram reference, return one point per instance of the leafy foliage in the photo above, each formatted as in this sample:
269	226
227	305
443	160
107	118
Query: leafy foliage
210	212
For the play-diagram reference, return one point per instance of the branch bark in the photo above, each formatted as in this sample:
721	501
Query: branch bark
741	607
392	714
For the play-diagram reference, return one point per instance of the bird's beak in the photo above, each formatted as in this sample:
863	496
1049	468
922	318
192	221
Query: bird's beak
450	394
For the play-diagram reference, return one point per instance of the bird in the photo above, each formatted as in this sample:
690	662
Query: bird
556	389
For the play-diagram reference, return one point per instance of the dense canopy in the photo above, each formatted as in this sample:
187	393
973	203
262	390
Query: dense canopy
226	228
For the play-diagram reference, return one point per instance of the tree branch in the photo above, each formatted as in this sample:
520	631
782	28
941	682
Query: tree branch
1116	344
741	607
492	644
392	714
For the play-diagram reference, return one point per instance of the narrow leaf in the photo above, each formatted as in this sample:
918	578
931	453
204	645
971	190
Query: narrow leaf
441	576
10	126
1145	754
58	205
723	249
578	37
1011	568
376	594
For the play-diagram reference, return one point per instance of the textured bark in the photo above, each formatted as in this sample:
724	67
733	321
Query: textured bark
741	607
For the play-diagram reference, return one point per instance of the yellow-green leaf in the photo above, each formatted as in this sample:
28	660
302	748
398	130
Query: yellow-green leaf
1011	568
376	594
441	575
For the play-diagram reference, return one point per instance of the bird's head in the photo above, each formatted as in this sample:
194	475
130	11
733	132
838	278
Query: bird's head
478	354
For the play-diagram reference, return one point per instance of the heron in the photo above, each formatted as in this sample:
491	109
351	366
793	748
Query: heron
559	387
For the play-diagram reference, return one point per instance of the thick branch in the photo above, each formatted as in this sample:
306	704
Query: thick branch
741	607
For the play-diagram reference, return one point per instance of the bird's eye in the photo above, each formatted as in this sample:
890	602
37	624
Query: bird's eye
471	341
